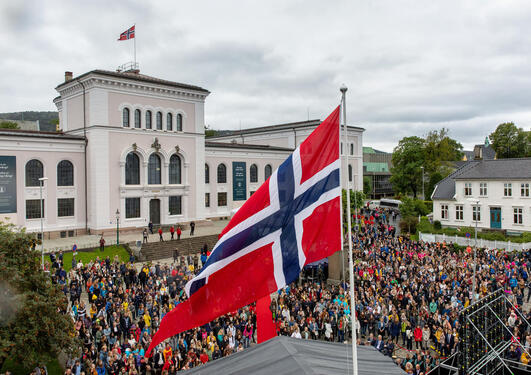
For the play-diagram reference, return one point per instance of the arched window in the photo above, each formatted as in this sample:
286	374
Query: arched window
34	171
179	122
159	120
175	169
132	169
222	174
207	174
154	170
137	118
267	172
253	173
125	117
148	119
65	173
169	122
350	172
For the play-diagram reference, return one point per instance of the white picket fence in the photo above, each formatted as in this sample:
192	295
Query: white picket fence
463	241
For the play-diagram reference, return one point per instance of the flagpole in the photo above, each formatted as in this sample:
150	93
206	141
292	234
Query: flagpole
135	43
343	90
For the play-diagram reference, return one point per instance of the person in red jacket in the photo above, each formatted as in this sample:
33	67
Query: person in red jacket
203	357
160	235
417	334
172	231
179	231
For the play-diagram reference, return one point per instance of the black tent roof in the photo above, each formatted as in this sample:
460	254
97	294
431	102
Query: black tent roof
285	355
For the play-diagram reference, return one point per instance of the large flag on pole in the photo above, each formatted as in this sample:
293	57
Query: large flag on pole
293	219
128	34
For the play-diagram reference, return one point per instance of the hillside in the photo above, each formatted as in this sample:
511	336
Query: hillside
47	120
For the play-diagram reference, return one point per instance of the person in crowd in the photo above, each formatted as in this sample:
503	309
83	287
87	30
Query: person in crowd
161	239
145	236
102	243
172	232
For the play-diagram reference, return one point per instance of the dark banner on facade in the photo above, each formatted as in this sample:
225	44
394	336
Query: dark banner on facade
239	181
8	184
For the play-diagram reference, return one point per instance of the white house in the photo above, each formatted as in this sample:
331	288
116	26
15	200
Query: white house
495	192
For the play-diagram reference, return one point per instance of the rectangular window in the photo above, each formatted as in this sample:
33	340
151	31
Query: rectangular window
476	213
222	199
468	189
518	215
33	208
175	204
352	149
132	208
507	190
459	212
483	189
524	190
444	211
65	207
341	148
207	199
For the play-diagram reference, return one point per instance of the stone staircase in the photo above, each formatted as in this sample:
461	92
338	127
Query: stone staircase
184	246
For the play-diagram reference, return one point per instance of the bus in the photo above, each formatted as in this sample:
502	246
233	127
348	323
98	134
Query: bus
390	203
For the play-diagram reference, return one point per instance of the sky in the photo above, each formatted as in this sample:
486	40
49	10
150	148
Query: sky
410	66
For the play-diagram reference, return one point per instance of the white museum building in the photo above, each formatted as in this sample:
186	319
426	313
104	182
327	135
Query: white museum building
133	147
494	193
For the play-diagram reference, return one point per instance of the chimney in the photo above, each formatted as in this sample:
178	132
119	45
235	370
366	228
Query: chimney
68	76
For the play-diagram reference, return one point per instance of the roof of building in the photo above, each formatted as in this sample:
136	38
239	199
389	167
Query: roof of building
38	134
286	126
375	167
370	150
246	146
24	124
486	153
496	169
285	355
137	77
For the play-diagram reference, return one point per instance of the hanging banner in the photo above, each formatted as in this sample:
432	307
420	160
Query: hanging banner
239	181
8	184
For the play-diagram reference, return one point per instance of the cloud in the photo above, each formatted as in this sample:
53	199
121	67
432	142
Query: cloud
410	67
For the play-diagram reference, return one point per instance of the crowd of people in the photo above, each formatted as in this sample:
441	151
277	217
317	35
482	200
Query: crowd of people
408	296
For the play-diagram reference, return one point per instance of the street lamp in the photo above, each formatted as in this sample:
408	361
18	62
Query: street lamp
422	168
41	184
117	226
475	202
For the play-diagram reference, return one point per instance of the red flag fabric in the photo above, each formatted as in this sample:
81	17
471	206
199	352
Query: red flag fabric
293	219
265	325
128	34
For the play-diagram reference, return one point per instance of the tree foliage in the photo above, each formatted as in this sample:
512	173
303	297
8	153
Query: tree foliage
356	201
509	141
407	159
8	125
34	328
435	153
367	185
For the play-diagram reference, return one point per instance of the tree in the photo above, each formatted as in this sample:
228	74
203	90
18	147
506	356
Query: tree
8	125
440	152
367	185
34	326
407	159
510	141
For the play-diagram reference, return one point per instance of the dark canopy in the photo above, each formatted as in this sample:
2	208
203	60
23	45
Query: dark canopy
285	355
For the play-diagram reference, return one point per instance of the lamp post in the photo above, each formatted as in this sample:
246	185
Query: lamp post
41	184
475	202
117	226
422	168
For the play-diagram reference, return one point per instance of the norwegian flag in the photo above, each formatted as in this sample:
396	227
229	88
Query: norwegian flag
127	34
293	219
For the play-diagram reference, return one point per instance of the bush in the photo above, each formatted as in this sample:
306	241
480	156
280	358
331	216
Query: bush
409	224
437	225
424	225
429	205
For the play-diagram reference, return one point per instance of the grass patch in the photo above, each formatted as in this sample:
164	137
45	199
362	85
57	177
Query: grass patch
87	256
53	367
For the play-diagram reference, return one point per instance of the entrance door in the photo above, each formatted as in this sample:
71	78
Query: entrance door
495	217
154	211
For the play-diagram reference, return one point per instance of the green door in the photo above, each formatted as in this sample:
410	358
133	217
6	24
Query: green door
495	217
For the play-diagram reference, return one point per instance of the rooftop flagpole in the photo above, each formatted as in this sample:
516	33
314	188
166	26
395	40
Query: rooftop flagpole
343	90
135	43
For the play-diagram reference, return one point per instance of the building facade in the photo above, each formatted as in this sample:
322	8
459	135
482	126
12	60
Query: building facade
132	149
495	193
